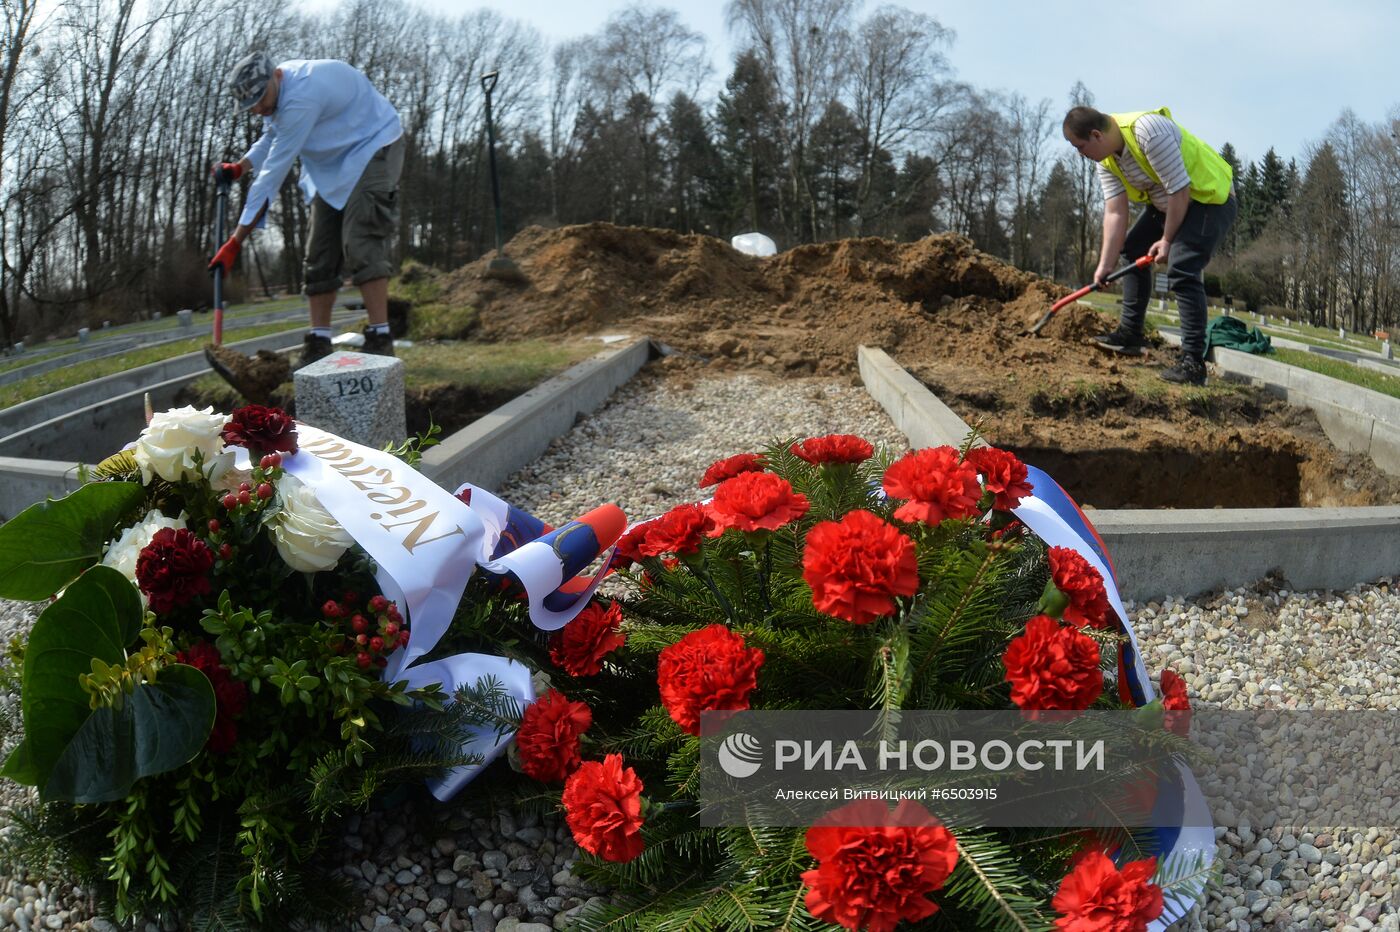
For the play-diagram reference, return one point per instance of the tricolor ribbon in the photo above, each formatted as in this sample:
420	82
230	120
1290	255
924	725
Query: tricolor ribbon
1182	822
426	543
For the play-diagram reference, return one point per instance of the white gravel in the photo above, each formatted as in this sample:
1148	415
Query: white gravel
646	451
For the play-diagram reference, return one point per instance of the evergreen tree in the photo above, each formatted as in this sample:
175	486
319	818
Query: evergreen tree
833	167
693	165
749	117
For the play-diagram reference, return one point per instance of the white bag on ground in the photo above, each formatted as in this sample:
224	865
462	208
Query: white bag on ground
754	244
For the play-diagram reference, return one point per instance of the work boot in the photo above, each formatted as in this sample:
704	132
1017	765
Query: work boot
1120	341
1188	371
313	347
378	344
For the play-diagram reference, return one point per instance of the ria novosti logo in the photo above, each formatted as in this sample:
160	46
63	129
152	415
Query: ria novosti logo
740	755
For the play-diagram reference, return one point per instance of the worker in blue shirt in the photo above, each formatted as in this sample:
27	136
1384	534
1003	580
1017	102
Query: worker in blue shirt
350	143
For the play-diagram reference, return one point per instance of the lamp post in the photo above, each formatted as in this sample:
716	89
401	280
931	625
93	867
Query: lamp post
500	266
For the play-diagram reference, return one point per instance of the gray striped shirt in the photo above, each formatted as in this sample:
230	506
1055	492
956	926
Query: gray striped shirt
1160	140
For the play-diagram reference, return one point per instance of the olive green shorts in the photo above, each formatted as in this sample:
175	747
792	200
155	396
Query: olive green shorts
356	239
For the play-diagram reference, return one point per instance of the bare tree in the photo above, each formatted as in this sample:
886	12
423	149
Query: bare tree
902	86
805	45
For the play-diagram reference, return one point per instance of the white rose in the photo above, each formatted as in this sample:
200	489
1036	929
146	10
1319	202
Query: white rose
306	535
121	554
168	445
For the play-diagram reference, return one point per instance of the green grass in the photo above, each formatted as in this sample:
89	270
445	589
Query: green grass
1337	369
68	376
488	367
441	322
491	366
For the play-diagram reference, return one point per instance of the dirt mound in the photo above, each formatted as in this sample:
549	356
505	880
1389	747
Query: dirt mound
804	309
1105	426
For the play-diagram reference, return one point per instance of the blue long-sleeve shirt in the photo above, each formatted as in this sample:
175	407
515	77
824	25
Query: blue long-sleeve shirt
332	117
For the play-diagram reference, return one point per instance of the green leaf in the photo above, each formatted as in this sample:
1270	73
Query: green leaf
19	766
160	727
97	616
74	753
48	544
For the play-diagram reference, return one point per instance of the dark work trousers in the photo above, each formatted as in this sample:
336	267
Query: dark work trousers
1201	231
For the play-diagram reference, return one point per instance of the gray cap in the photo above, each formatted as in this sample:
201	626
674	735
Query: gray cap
248	79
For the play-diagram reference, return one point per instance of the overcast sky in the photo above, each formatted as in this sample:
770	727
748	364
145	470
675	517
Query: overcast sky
1256	73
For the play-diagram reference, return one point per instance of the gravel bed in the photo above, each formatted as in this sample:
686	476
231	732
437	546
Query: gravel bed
456	868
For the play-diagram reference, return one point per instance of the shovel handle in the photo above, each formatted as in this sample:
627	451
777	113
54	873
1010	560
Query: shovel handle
1111	277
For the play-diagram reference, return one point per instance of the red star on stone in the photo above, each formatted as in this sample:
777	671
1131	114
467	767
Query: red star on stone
349	360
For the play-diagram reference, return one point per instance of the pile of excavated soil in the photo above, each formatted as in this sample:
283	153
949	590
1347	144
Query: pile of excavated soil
1112	433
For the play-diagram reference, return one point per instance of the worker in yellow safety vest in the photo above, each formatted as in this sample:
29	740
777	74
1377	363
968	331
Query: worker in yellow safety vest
1188	198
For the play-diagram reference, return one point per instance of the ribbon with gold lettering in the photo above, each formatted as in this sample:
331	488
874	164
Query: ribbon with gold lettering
426	543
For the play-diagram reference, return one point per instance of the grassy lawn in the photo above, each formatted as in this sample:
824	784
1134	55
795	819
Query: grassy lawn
1337	369
490	368
68	376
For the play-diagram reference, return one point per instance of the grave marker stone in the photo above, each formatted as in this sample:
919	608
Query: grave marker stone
186	317
83	334
356	395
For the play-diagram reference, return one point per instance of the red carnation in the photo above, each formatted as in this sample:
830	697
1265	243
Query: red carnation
721	470
1097	897
173	569
603	808
628	549
548	737
707	670
1082	585
935	484
1003	474
755	501
876	868
833	448
261	429
1052	667
230	695
856	567
680	530
579	647
1176	703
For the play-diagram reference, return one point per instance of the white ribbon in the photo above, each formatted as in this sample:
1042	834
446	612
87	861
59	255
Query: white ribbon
426	543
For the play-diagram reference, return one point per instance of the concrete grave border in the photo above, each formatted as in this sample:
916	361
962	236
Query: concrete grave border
1160	552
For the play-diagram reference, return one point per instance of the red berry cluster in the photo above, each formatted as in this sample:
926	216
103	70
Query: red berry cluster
372	630
250	497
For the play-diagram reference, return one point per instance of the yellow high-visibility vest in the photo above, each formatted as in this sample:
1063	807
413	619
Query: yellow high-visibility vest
1211	176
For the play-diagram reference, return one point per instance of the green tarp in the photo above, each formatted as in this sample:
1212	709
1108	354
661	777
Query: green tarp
1233	333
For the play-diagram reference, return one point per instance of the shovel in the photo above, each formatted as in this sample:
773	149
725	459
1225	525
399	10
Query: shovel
221	188
1076	295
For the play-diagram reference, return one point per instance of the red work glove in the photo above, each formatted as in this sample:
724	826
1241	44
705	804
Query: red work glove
223	259
227	171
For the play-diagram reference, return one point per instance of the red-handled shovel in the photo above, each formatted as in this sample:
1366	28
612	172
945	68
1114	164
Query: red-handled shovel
1076	295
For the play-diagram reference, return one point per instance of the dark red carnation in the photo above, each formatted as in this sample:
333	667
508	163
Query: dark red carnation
548	739
705	671
1176	703
755	501
579	647
1053	667
603	808
875	868
1003	474
680	530
261	429
833	448
230	695
935	485
173	569
721	470
1097	897
857	566
1082	585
